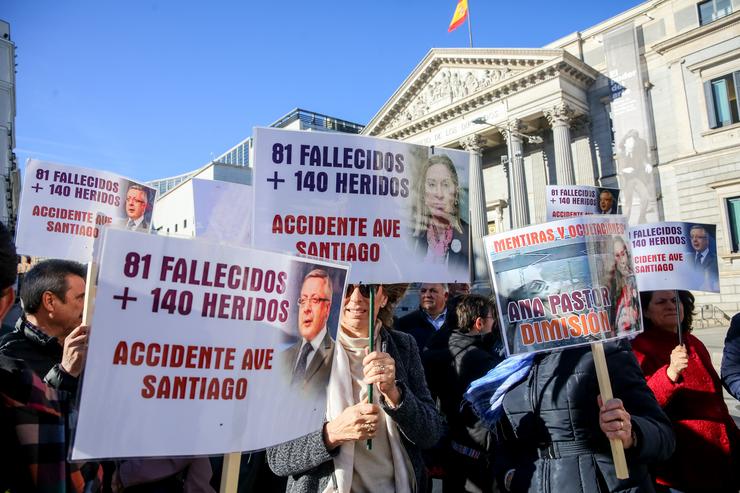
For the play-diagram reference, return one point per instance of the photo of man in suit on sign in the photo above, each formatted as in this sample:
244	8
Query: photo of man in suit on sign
308	361
137	204
704	258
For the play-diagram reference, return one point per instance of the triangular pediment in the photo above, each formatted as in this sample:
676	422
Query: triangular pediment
448	78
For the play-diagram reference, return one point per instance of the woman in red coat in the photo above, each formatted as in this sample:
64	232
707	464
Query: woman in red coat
689	391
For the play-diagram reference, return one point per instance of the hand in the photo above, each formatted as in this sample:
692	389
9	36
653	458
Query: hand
358	422
380	369
615	422
75	351
679	362
116	484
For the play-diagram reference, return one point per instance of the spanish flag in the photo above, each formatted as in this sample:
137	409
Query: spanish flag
461	13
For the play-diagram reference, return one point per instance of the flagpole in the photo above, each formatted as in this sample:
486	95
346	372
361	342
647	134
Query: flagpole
470	27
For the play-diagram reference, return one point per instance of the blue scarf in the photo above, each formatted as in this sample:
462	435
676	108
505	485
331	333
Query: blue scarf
486	395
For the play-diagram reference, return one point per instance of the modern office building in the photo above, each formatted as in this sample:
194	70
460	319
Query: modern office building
9	175
241	153
665	73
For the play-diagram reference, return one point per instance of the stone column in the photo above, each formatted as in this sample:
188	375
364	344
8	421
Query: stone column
519	202
559	117
478	215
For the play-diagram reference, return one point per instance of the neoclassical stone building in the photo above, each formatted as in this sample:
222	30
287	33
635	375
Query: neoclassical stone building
543	116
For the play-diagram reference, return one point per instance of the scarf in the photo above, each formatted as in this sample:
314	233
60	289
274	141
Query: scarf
486	395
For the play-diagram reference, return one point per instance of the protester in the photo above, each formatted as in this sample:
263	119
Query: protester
689	390
440	234
401	419
430	316
731	359
40	362
553	430
470	352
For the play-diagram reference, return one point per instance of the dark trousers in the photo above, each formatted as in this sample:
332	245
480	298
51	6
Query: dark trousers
468	474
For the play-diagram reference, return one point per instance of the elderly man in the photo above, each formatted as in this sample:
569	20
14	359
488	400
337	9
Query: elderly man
470	352
606	202
704	259
40	362
308	361
137	202
430	316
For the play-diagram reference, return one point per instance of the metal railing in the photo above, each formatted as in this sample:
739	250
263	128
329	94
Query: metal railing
710	315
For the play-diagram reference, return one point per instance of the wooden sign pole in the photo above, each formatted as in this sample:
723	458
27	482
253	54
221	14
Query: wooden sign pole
230	472
605	388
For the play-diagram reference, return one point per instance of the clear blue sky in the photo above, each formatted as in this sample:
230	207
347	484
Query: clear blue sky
153	88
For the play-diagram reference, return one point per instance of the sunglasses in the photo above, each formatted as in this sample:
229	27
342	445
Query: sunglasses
364	289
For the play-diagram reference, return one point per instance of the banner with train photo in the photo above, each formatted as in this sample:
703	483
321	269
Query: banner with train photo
564	283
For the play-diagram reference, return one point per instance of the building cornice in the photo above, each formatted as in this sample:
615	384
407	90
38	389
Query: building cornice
530	67
721	24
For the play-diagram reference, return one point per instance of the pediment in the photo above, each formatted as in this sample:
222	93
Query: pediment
448	78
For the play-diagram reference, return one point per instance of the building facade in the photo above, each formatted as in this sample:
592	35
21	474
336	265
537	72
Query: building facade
9	175
534	117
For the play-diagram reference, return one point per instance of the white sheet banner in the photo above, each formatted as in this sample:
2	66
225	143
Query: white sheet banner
193	348
397	212
64	208
222	211
564	201
676	255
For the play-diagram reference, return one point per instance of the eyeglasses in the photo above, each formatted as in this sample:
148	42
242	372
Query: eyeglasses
364	289
314	300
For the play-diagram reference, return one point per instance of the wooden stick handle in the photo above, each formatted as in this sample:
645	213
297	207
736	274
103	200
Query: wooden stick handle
90	289
605	388
230	472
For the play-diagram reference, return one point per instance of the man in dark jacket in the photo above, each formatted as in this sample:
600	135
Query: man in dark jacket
430	316
40	362
731	359
469	354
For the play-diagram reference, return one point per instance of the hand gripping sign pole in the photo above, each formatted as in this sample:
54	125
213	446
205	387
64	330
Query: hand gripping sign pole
605	388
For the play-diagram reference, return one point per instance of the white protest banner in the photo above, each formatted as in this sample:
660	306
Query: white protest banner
397	212
564	201
64	208
193	347
564	283
675	255
222	211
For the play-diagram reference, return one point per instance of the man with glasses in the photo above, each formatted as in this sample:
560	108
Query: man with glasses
308	361
137	202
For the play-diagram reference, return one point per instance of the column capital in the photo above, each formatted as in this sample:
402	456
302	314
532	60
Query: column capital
474	143
560	114
512	128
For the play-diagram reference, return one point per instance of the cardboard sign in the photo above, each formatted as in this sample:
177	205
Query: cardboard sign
676	255
63	209
564	283
564	201
222	211
193	348
397	212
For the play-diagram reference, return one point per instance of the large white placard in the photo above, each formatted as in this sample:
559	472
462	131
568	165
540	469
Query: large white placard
564	201
223	211
397	212
64	208
191	348
675	255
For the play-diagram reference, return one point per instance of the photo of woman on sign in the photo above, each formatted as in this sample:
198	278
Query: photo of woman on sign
439	231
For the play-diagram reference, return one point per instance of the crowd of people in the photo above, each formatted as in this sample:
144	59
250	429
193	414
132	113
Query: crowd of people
548	429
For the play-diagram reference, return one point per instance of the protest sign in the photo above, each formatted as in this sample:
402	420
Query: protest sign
564	283
397	212
192	347
565	201
222	211
675	255
64	208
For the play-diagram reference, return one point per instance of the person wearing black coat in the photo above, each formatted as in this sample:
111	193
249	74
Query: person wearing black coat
469	353
551	437
731	359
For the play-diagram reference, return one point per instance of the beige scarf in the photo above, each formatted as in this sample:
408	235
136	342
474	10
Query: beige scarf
339	397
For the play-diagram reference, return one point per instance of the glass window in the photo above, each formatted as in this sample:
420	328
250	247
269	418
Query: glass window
733	217
175	228
184	223
723	107
711	10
